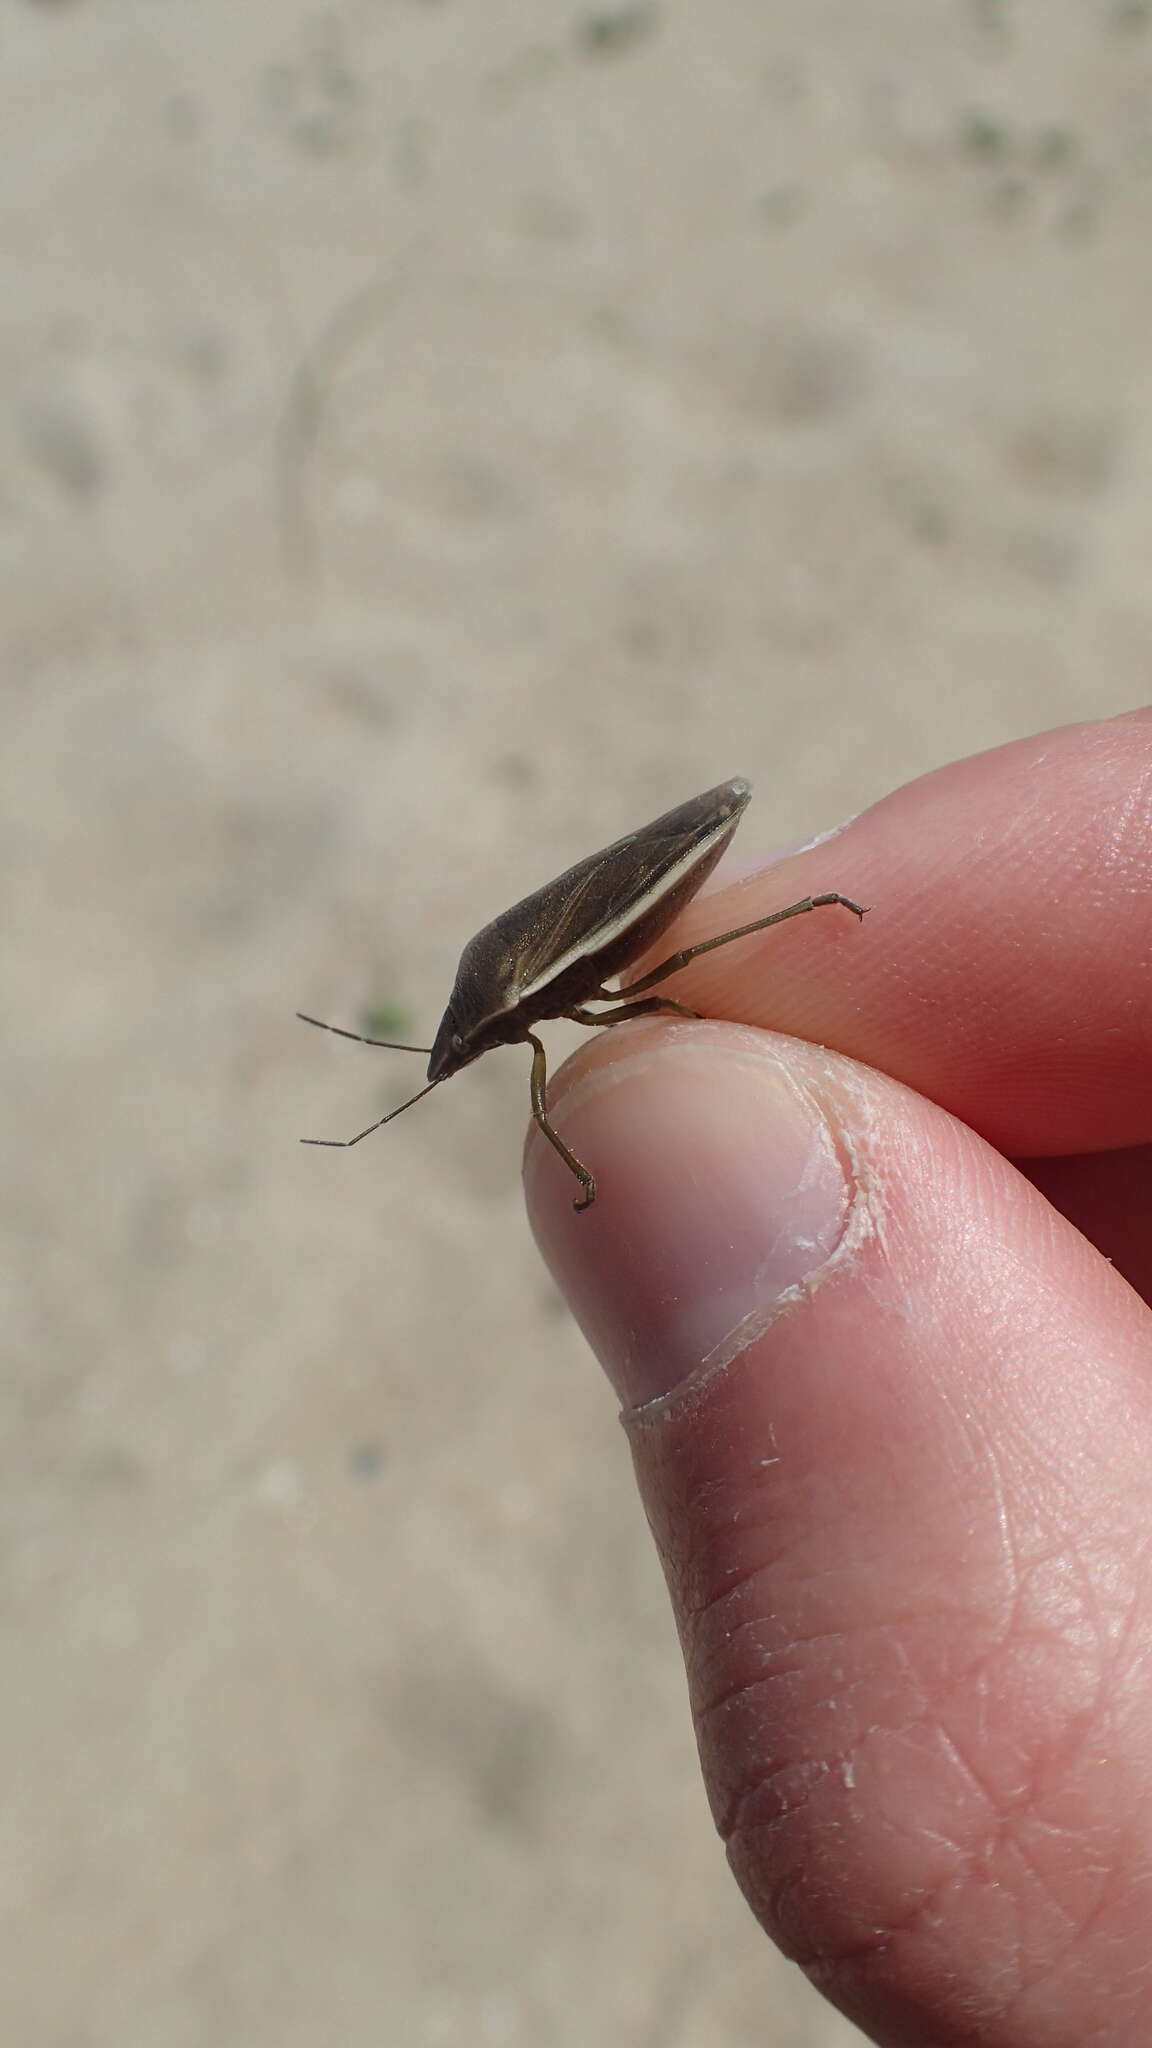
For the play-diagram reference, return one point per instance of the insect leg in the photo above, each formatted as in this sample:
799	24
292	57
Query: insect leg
540	1112
649	1008
677	960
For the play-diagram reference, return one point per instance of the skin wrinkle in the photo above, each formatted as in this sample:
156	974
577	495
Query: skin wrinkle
1064	1551
1111	1881
879	1940
706	1504
975	1858
1132	1619
748	1688
1034	1478
805	1773
693	1611
1008	1839
926	1718
1005	1840
697	1613
1056	1756
894	1625
1004	1836
973	1431
1086	1615
904	1619
708	1610
1014	1630
1022	1802
696	1609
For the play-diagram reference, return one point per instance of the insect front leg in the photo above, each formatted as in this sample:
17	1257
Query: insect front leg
676	961
540	1112
652	1006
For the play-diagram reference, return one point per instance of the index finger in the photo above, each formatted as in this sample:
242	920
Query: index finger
1005	969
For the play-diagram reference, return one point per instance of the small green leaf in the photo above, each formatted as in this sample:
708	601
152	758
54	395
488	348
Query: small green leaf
983	135
385	1020
615	30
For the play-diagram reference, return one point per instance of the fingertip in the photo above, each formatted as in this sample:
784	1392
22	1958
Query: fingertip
720	1188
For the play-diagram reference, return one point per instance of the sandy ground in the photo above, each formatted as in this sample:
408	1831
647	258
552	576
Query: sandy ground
433	439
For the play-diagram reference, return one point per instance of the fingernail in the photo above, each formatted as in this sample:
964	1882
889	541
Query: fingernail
720	1188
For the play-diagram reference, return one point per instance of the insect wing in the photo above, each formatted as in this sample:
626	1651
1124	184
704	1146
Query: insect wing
583	910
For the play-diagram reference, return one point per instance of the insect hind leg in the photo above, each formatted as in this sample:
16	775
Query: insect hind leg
651	1006
676	961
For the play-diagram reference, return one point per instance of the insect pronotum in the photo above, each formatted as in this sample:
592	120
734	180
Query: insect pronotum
551	955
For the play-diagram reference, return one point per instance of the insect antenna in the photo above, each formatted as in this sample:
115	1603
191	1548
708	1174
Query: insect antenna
389	1044
343	1143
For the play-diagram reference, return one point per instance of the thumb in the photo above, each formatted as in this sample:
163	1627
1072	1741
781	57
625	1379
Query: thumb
891	1419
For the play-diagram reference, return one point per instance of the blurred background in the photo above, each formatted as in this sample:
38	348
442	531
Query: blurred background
435	438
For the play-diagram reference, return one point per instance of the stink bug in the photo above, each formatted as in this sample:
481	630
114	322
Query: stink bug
551	954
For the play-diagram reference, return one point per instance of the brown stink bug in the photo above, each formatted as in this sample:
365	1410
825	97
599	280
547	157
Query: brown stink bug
550	955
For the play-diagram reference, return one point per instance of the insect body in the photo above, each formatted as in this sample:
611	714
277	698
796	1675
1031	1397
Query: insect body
551	955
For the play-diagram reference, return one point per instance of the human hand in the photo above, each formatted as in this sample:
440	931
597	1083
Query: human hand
890	1413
